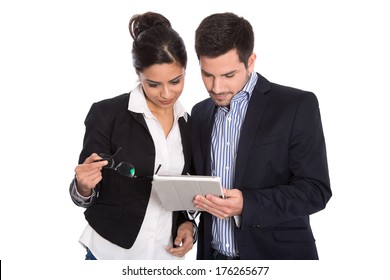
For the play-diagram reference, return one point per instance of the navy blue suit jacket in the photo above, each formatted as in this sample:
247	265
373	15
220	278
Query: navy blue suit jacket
281	170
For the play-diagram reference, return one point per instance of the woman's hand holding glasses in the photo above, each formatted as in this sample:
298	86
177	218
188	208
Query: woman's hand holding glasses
89	174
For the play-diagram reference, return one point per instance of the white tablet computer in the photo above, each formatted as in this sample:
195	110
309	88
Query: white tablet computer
177	192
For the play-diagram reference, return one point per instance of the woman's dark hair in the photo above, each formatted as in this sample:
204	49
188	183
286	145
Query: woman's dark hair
219	33
155	41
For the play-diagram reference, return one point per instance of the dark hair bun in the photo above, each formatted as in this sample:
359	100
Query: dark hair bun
141	22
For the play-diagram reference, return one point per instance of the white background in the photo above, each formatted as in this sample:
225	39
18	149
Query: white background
57	57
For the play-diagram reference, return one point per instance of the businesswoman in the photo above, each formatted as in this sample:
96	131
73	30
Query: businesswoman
127	139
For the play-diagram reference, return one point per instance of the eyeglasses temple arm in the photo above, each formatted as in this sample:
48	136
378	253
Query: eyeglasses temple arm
117	151
158	168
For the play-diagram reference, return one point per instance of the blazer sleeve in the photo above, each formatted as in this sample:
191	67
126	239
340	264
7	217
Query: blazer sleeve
96	139
97	132
307	187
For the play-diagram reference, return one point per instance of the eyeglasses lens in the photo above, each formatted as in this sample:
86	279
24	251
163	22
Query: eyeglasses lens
126	169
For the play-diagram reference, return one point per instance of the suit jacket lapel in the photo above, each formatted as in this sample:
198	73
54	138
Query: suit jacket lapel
254	114
206	134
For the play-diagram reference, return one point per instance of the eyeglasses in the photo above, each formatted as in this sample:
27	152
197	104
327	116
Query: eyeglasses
124	168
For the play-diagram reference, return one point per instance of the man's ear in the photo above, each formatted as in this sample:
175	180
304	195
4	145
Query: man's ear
251	62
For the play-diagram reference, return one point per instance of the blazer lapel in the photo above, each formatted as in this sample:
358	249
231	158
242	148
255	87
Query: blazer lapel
254	114
186	142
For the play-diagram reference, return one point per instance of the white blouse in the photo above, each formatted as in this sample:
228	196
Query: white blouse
155	233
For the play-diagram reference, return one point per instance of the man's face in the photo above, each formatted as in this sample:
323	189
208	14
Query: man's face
224	76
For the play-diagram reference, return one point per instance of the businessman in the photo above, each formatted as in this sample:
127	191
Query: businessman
266	143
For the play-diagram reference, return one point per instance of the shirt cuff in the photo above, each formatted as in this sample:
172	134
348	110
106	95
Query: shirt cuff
238	219
192	214
79	199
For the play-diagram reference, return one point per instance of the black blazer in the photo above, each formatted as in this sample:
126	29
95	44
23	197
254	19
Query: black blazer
281	169
120	206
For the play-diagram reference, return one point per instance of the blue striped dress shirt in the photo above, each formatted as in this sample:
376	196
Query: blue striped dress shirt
224	144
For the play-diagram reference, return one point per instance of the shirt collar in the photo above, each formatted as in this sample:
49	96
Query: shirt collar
137	104
247	90
245	94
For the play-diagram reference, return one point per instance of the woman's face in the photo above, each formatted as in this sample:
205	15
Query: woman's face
162	84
